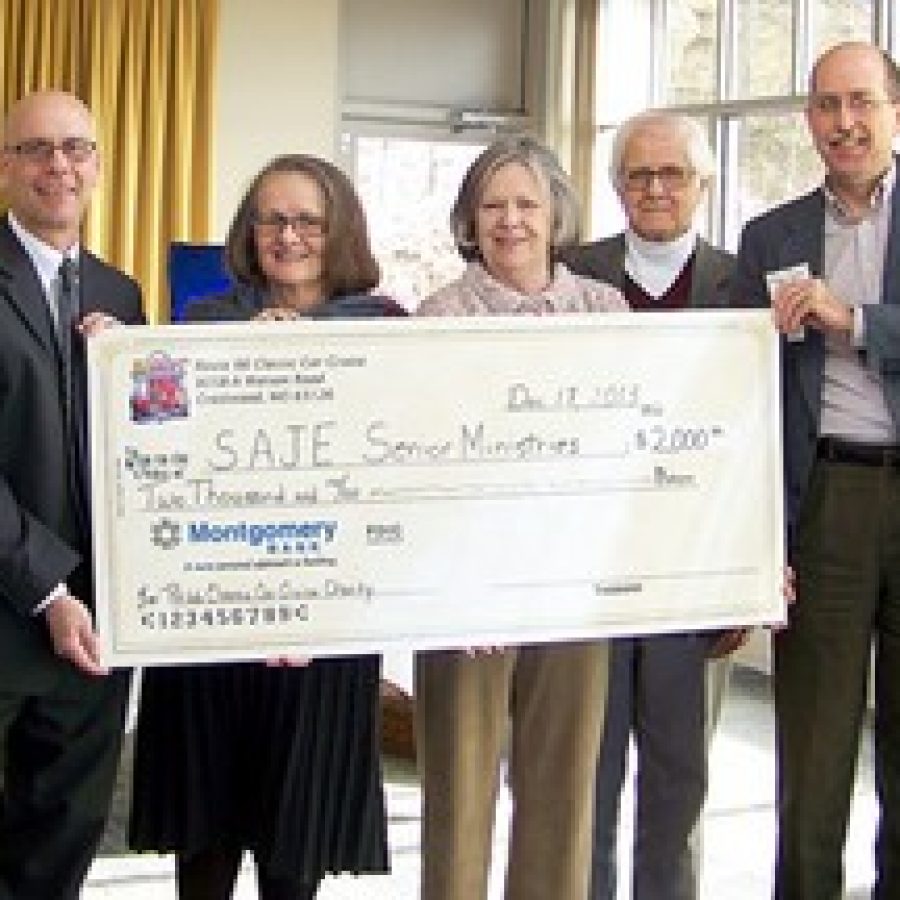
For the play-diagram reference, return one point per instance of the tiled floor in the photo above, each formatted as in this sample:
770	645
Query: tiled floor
739	835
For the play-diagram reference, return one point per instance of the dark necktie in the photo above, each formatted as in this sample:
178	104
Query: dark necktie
67	316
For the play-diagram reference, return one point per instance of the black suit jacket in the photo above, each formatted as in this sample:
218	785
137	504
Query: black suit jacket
787	236
605	261
43	539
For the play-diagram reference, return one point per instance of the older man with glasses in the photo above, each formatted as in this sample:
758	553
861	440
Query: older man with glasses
60	711
664	689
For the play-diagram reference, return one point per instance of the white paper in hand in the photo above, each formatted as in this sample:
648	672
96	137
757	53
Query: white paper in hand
778	277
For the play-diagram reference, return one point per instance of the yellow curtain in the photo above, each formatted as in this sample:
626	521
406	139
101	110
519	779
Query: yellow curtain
146	68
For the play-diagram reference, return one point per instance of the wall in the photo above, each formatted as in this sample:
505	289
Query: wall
463	55
278	89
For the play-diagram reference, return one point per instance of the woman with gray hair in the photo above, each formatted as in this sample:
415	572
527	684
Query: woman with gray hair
514	214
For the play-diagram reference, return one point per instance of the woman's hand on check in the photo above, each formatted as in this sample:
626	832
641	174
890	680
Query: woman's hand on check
95	322
277	314
486	650
288	662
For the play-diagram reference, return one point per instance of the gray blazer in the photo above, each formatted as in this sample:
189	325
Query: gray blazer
787	236
605	261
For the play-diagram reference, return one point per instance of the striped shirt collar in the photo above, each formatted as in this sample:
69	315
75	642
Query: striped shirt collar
882	193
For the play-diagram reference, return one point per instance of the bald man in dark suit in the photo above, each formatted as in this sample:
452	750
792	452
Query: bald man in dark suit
61	713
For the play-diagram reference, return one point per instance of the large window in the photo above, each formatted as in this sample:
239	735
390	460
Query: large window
775	160
842	20
407	186
691	49
741	67
763	48
426	84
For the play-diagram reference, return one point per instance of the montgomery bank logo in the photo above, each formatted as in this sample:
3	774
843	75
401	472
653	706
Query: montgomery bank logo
303	536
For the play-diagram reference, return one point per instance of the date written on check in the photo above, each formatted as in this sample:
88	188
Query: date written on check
345	487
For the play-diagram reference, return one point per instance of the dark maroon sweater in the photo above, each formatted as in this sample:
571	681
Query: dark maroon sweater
676	297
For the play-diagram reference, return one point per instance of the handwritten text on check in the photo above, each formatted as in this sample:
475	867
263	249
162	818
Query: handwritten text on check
341	487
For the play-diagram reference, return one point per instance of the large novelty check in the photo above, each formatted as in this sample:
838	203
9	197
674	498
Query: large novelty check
341	487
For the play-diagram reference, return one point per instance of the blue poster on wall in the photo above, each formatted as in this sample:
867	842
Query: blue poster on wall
195	270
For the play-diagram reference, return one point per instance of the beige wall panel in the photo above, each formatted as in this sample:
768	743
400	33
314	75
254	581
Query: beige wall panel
278	89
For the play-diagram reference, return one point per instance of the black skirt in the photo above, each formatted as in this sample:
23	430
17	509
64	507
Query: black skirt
280	761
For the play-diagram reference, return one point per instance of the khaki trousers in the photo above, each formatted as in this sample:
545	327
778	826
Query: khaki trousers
553	696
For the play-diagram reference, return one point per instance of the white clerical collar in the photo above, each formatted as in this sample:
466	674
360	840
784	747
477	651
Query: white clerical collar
655	265
45	258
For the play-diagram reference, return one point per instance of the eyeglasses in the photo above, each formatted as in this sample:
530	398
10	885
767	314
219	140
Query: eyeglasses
858	103
42	150
672	178
303	224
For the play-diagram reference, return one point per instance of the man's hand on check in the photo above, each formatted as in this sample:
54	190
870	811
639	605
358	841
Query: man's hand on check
789	592
72	633
727	642
805	302
789	587
96	322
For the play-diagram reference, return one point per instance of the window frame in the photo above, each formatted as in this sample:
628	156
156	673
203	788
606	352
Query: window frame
727	109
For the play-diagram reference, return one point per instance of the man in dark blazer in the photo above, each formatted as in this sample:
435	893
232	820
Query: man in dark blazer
665	689
60	712
830	264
